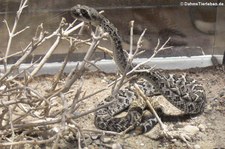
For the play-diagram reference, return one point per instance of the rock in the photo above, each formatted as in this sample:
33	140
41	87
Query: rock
174	140
196	146
213	117
95	137
191	130
222	93
87	139
177	143
160	145
54	129
202	127
92	146
142	144
209	107
117	146
97	142
105	139
209	124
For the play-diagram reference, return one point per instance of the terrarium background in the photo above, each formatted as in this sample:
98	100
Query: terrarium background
153	15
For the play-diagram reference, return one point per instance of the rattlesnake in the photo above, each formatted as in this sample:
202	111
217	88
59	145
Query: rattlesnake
182	91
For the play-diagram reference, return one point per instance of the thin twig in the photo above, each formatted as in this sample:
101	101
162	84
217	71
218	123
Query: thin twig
131	37
60	72
30	141
23	4
74	75
156	51
140	92
102	131
139	43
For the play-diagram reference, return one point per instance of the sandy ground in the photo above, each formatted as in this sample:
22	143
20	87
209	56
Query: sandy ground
205	131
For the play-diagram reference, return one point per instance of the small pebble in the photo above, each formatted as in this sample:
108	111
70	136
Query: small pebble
174	140
222	93
202	127
55	129
209	124
196	146
105	139
87	140
191	130
178	143
95	137
103	81
213	117
209	107
160	145
142	144
117	146
202	135
97	142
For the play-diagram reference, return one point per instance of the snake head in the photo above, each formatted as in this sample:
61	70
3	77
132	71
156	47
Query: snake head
83	13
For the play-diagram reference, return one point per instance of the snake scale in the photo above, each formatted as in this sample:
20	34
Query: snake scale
183	92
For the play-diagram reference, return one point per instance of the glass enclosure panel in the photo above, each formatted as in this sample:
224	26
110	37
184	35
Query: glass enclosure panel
193	30
219	46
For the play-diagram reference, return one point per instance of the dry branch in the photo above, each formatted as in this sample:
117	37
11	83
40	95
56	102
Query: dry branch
36	108
24	108
13	33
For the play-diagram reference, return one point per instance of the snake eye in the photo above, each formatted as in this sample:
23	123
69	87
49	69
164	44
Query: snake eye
75	12
85	14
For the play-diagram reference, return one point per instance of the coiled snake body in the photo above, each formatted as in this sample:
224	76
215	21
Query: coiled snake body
182	91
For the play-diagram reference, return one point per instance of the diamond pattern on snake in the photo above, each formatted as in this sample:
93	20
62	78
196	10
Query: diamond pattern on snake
183	92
